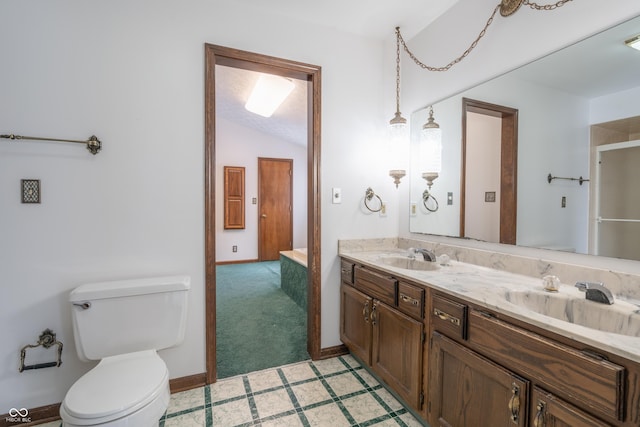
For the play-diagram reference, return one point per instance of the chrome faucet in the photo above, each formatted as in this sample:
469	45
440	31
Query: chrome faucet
596	291
426	254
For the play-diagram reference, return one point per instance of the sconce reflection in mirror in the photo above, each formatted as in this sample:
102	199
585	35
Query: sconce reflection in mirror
431	157
368	196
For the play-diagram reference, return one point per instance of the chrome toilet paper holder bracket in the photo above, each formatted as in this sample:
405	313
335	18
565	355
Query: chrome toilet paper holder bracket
47	339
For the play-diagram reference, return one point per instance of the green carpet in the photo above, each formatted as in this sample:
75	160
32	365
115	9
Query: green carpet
257	325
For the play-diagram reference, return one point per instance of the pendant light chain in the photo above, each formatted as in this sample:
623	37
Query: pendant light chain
398	37
545	6
535	6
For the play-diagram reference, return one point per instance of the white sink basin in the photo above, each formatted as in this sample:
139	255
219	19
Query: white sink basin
620	318
407	263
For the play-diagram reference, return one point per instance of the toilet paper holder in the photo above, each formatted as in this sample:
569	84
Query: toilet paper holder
47	339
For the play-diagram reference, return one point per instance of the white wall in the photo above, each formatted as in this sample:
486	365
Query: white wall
616	106
237	145
133	74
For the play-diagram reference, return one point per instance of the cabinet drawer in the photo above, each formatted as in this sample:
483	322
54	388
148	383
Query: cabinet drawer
346	271
411	300
449	317
382	288
570	373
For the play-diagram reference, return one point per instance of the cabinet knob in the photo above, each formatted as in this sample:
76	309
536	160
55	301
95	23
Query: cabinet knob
263	215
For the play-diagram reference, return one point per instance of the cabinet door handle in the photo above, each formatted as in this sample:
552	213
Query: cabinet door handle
446	316
412	301
374	314
365	311
538	421
514	403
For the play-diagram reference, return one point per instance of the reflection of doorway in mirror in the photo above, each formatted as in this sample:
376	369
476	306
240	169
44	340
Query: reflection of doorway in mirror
482	183
489	166
618	203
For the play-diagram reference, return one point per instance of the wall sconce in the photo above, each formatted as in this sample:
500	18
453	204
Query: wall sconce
431	155
398	129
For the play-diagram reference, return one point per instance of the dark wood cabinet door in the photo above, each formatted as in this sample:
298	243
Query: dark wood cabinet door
550	411
467	390
397	352
355	322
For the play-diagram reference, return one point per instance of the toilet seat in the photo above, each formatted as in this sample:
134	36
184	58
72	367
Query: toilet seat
117	387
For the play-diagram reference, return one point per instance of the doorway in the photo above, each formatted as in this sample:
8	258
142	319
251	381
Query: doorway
251	61
275	199
617	220
506	193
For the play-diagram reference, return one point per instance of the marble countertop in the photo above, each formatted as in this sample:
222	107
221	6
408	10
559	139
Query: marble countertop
490	288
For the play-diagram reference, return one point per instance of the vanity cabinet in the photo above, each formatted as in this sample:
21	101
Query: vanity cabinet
458	363
467	389
492	365
384	332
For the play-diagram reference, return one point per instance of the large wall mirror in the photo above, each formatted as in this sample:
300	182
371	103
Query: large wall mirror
577	126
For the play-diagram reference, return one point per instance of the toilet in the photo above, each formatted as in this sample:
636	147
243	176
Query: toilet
123	324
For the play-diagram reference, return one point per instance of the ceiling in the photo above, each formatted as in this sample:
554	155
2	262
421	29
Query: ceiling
597	66
375	20
600	65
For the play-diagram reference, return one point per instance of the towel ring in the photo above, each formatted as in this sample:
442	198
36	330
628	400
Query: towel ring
369	195
425	198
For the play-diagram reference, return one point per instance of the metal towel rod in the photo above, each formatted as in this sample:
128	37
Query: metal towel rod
93	143
581	179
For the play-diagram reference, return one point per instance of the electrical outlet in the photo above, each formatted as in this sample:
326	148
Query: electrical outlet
413	210
449	198
564	202
336	195
234	248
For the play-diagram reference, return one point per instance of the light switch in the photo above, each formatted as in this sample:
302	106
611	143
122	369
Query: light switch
336	196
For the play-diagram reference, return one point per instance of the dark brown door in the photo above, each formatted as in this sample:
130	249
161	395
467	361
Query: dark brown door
355	322
396	354
275	209
467	390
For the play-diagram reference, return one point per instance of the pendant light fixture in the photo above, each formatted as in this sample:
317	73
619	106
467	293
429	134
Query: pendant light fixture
398	129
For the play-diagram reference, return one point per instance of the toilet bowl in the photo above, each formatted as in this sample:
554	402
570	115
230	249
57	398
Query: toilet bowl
125	390
122	324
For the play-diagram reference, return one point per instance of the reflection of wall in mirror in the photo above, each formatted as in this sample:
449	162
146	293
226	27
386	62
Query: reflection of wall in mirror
482	219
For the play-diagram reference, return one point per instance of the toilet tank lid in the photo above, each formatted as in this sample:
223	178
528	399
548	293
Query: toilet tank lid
129	287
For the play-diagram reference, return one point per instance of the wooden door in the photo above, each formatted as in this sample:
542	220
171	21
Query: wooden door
548	410
467	390
275	209
396	354
355	322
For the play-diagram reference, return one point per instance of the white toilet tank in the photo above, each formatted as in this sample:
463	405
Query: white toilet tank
117	317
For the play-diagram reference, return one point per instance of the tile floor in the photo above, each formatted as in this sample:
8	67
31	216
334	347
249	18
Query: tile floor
334	392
